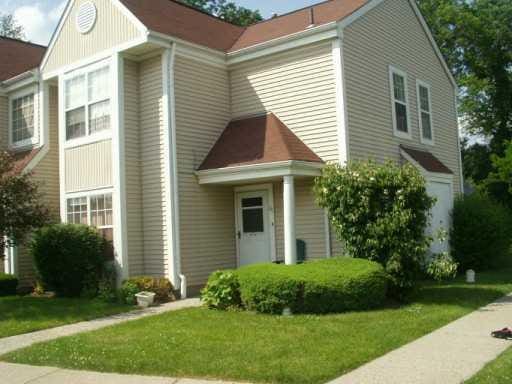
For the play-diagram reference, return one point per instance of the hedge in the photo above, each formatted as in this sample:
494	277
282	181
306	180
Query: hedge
8	284
323	286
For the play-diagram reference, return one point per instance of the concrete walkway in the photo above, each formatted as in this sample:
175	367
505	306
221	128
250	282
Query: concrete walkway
8	344
27	374
449	355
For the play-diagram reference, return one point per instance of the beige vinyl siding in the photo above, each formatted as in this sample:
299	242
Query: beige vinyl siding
309	220
133	166
88	166
4	122
46	173
391	34
111	28
153	169
299	87
206	212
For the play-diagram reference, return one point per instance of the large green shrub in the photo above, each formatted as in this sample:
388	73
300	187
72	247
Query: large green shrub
324	286
160	286
380	213
481	233
8	284
68	258
222	291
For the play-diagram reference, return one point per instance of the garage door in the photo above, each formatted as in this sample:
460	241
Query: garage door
440	212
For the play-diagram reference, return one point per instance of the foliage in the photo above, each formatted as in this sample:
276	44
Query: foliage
160	286
380	212
441	267
242	347
10	28
222	291
323	286
68	258
227	11
481	233
502	175
8	284
476	161
128	291
476	39
107	284
21	206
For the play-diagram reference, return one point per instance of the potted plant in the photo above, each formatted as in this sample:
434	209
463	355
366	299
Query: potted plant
145	299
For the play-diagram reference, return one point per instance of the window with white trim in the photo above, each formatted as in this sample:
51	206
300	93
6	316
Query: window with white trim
400	103
22	120
87	102
94	210
425	112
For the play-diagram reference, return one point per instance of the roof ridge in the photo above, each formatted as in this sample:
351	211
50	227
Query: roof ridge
179	2
23	41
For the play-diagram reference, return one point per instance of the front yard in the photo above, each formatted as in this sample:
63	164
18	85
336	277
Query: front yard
498	371
245	346
22	314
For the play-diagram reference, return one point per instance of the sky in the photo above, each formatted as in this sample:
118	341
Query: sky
39	17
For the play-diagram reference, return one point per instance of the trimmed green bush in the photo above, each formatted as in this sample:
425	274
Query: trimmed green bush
379	212
69	258
160	286
481	235
222	291
8	284
323	286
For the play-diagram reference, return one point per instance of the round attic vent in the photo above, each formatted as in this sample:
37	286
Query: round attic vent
85	17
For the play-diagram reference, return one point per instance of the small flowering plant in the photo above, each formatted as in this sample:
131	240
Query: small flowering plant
380	212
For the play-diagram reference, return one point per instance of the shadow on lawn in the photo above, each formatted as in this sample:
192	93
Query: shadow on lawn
471	297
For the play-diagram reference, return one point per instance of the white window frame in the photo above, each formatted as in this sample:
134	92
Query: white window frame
424	140
34	140
88	137
396	132
88	195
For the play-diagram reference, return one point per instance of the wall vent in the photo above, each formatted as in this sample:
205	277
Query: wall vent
86	17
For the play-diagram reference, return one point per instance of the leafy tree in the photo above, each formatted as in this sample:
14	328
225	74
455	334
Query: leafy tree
476	161
503	167
380	213
475	36
10	28
227	11
21	207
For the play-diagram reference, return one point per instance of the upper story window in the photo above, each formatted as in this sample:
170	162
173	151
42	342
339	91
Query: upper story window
400	103
22	131
87	102
425	112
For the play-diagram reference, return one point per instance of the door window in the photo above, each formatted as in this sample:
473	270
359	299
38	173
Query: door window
252	215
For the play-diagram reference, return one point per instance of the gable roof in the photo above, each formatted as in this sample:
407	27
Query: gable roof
426	160
257	140
173	18
18	57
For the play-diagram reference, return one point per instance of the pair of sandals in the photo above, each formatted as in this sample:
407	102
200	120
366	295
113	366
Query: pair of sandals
505	333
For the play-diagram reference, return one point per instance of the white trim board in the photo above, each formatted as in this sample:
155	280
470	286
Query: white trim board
246	173
341	101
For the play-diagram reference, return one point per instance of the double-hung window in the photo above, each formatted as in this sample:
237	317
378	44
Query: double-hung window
22	131
400	103
94	210
425	112
87	102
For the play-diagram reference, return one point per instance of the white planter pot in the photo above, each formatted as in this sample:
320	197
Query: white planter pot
470	276
145	299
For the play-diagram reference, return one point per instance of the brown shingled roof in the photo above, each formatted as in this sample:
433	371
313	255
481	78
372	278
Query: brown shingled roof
296	21
257	140
23	158
175	19
18	57
427	160
172	18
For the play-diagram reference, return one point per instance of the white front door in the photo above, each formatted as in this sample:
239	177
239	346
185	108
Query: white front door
440	213
253	227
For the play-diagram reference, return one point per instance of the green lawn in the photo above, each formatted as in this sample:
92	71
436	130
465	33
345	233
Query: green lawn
22	314
250	347
498	371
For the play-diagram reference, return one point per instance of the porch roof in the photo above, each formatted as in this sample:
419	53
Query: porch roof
261	143
426	160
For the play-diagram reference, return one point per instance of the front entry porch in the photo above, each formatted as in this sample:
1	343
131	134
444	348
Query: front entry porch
265	162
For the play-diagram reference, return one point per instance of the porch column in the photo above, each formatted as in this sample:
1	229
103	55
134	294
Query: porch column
290	245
